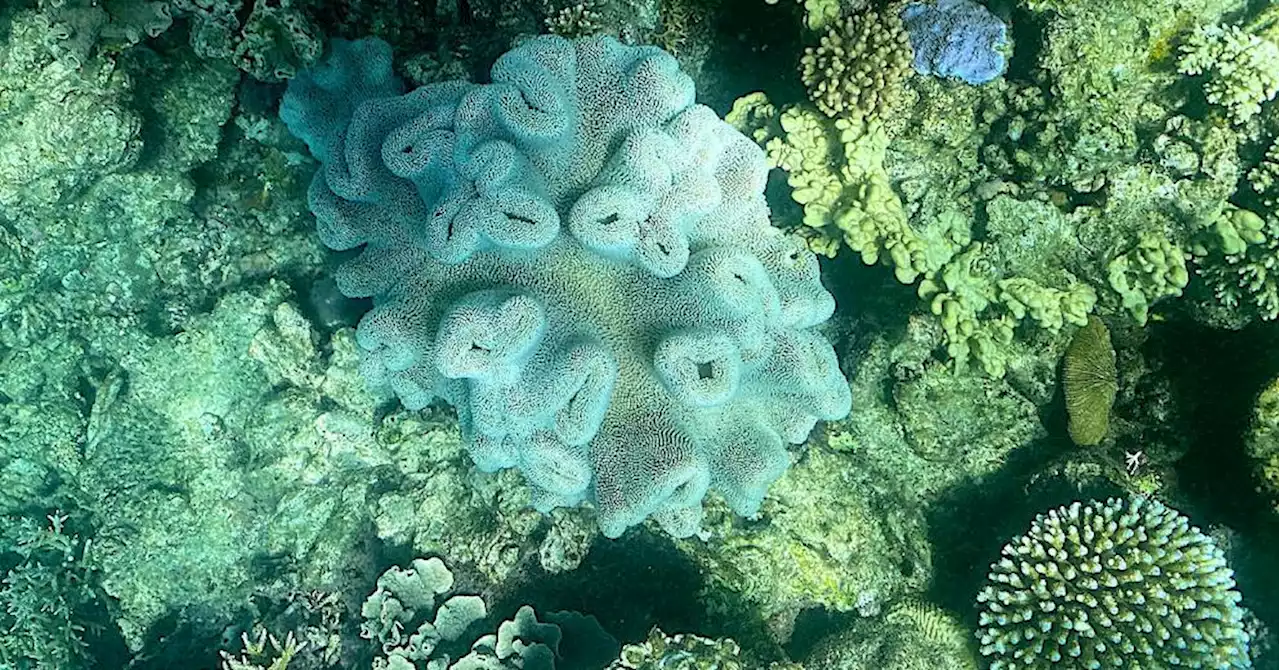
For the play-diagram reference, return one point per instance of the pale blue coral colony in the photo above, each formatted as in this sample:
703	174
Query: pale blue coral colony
617	317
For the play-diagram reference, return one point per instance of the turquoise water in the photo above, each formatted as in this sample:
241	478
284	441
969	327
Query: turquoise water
638	334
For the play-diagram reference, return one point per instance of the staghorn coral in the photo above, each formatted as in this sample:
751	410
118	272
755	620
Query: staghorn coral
580	259
1118	583
1089	382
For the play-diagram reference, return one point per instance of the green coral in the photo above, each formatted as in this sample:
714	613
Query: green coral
1262	443
1154	268
1237	257
1264	176
836	172
1239	69
1108	584
857	68
986	291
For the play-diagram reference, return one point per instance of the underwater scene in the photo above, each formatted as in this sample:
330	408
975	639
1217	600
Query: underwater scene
639	334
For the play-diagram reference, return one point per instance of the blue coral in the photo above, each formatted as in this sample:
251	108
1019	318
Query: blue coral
957	38
580	259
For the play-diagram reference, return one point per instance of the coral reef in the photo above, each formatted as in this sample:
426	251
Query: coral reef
194	474
505	224
1112	583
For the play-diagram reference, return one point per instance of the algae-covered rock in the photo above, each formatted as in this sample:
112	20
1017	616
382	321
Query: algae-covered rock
60	127
911	635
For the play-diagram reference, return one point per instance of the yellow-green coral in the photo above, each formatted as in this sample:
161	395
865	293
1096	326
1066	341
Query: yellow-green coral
979	311
858	67
1237	256
836	172
1154	268
1240	69
1262	440
1089	383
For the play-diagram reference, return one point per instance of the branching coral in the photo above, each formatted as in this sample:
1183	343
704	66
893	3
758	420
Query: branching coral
1108	584
856	71
1237	257
1240	69
1264	176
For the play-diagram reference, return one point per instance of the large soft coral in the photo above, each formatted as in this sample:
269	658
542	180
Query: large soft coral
580	259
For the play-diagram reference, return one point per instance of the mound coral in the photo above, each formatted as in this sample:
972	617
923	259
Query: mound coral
579	258
1121	583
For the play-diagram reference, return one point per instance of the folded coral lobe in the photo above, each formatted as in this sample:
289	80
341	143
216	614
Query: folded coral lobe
578	258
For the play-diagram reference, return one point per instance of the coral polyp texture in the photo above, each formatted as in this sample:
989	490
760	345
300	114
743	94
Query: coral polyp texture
578	258
1115	584
956	38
